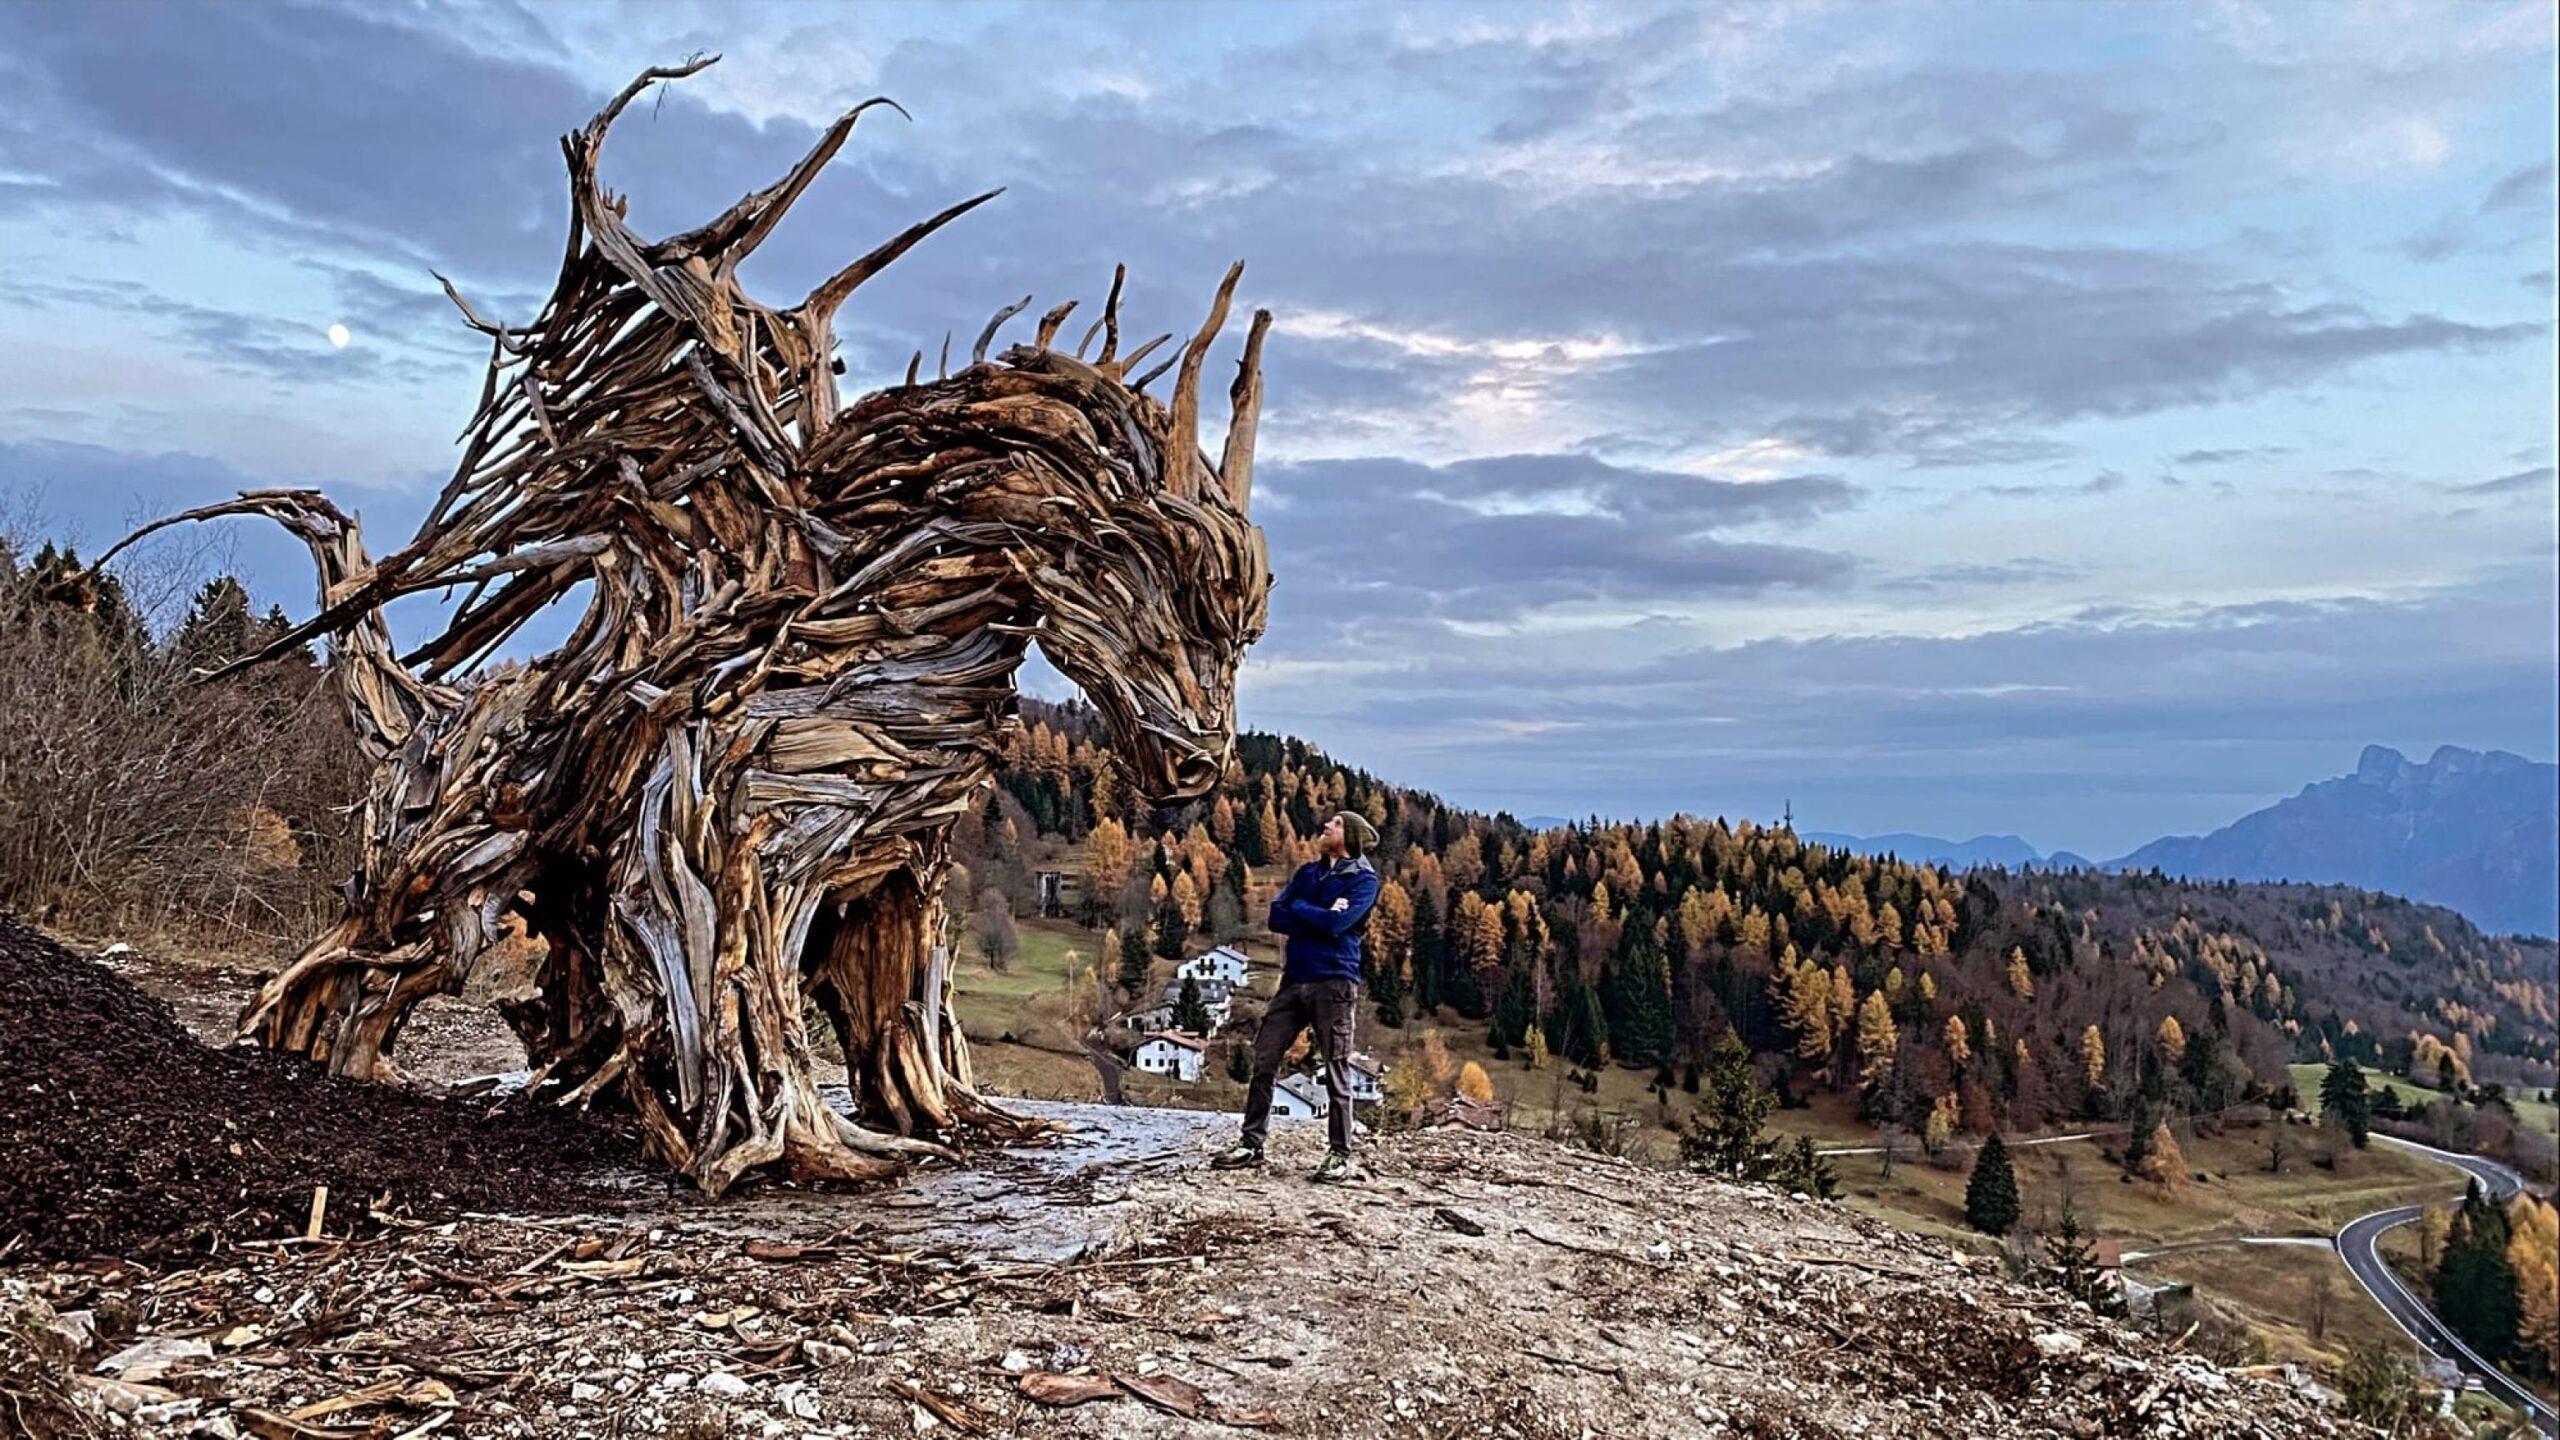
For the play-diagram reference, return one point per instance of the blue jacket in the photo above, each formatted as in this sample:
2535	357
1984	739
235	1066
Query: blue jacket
1324	943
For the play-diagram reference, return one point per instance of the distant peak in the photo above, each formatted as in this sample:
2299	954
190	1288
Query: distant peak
2380	764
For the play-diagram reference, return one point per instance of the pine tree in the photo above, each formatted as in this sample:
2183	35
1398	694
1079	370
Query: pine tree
1240	1063
1171	932
2476	1282
1586	1027
1134	964
1190	1012
1991	1192
216	630
1802	1169
2071	1265
1253	840
1426	961
2345	1104
1640	1021
1516	1013
2379	1387
1724	1136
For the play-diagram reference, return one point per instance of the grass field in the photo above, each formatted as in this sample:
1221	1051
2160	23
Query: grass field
2282	1290
2540	1116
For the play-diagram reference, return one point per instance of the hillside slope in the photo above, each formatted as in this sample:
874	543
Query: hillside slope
1644	942
1108	1283
2478	832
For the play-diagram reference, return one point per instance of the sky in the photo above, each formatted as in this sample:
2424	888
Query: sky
2081	422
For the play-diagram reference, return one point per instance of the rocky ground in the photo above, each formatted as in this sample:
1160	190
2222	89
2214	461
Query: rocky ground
1105	1284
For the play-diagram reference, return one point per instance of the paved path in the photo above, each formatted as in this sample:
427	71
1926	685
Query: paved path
2358	1246
2323	1242
2012	1144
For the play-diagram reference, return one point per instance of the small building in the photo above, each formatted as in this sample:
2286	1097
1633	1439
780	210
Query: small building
1173	1054
1461	1111
1299	1097
1368	1078
1052	888
1227	965
1158	1018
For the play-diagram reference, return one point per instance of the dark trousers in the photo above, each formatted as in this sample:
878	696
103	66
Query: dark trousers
1328	1007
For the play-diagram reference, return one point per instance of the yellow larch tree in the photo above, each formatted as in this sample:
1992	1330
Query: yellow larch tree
2163	1164
1802	994
1959	1045
1433	1061
2173	1039
2022	981
2093	1054
2533	1249
1877	1037
1106	863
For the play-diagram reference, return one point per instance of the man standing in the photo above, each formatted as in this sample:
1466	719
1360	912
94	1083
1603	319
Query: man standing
1320	910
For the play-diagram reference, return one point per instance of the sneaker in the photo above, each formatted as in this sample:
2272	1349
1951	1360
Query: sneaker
1242	1157
1338	1167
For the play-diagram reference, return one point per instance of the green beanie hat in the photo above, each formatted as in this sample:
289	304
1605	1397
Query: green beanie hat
1357	833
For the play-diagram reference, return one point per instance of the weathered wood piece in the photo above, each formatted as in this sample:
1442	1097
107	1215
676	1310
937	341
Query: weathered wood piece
723	802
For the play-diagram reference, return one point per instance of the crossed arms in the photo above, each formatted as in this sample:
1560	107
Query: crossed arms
1310	921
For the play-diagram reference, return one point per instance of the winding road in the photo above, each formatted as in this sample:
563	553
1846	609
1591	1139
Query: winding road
2359	1246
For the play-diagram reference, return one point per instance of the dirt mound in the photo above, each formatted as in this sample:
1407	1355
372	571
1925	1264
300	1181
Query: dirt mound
120	1134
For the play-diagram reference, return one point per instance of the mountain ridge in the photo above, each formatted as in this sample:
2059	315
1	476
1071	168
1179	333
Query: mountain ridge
2475	831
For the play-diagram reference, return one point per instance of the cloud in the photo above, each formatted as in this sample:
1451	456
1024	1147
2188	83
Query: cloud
1489	542
2099	484
2026	570
1633	371
2229	456
238	341
2094	732
2517	483
2525	188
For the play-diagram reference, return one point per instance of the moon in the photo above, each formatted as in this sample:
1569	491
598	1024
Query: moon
338	337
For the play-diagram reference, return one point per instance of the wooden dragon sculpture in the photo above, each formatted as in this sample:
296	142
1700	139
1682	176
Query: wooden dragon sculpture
725	799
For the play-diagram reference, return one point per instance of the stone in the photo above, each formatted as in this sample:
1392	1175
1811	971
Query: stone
2055	1344
722	1385
150	1358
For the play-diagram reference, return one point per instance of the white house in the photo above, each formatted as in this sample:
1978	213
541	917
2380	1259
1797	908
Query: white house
1226	965
1368	1078
1159	1018
1173	1053
1299	1097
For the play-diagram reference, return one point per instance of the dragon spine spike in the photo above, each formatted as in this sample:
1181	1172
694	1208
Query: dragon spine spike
1182	449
